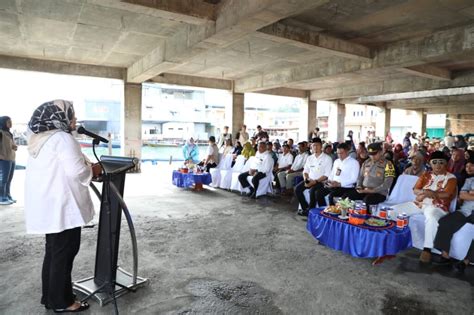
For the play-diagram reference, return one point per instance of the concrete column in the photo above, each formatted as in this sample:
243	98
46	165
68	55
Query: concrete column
383	122
132	131
447	127
422	122
312	116
336	123
308	119
235	113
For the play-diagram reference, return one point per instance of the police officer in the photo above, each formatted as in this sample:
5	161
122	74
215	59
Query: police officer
375	178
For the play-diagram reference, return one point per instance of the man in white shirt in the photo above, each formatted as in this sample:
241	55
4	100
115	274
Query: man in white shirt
343	178
287	178
262	167
284	163
317	169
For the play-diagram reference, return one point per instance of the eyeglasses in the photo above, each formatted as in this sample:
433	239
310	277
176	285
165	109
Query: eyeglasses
438	161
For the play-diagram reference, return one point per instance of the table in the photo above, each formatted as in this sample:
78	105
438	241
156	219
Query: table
359	241
191	179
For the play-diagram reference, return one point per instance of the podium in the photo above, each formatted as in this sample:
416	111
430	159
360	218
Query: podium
109	280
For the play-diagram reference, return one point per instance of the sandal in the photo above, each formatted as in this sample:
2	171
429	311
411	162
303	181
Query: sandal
84	306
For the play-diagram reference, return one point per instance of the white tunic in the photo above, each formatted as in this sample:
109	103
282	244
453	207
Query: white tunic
57	181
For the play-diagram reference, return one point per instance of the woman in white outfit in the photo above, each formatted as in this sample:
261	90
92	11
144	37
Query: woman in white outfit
57	199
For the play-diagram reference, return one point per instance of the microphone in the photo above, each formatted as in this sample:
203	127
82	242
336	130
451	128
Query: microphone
83	131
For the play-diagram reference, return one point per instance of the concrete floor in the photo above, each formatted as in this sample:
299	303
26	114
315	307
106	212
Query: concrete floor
217	252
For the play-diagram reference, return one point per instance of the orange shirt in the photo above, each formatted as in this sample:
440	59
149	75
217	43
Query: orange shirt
443	183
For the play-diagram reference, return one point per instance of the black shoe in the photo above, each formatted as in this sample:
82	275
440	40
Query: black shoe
303	212
441	261
84	306
460	266
251	193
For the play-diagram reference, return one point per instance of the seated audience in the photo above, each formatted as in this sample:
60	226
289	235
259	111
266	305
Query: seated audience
362	154
317	170
237	150
277	147
417	166
248	150
434	191
460	142
375	178
212	155
344	174
451	223
287	178
327	148
272	153
284	164
456	165
190	152
260	169
228	148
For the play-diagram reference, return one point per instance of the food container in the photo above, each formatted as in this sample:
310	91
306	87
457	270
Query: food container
184	170
357	219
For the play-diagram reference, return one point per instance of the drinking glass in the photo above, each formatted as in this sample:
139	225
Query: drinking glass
373	210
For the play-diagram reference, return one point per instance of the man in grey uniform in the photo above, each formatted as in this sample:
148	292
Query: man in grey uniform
375	178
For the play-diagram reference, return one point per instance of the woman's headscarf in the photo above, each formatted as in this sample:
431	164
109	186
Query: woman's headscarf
3	124
47	119
52	115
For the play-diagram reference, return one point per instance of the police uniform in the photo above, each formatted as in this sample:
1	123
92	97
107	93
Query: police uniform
377	175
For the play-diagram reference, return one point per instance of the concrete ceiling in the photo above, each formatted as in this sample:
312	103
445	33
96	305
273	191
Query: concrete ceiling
339	49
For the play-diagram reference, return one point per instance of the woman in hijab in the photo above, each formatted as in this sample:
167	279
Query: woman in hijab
191	152
7	160
57	198
248	150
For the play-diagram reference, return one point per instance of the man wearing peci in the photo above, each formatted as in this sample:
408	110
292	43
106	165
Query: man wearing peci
317	169
263	165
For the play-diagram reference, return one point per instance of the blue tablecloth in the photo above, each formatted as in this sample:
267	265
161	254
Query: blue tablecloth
355	240
189	179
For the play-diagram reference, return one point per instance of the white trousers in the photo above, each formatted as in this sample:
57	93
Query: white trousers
432	215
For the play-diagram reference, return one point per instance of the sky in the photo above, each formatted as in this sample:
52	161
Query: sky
22	91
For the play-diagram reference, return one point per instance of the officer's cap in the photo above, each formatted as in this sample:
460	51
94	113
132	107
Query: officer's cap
375	147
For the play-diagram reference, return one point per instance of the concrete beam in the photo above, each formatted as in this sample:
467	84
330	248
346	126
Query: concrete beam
316	41
235	19
427	71
29	64
453	109
449	44
417	94
188	8
286	92
389	86
187	80
464	100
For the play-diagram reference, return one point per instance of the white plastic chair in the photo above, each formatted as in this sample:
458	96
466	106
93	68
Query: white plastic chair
265	184
235	184
224	164
226	175
402	192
